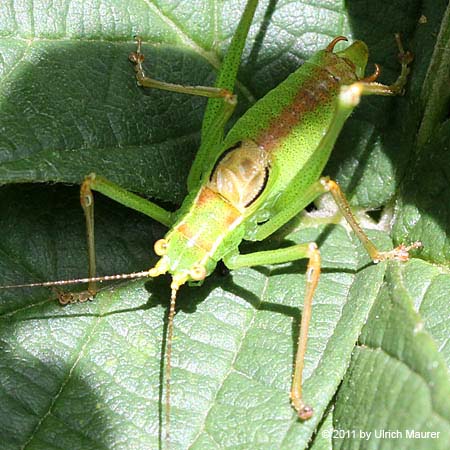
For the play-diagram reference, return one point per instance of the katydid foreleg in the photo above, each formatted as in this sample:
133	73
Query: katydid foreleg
309	250
96	183
220	107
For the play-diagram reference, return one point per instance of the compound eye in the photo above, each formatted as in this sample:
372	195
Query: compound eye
198	272
160	247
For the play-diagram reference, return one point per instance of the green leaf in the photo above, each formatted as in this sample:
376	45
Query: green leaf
93	365
400	377
423	209
91	375
323	440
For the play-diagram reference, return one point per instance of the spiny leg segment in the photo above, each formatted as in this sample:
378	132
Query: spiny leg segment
137	58
94	182
400	253
369	86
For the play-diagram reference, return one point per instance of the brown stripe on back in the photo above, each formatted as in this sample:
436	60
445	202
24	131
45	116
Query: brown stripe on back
317	90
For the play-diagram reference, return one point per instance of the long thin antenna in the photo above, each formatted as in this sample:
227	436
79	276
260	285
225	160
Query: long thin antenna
169	360
123	276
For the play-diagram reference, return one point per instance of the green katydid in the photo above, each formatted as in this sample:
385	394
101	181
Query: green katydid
254	180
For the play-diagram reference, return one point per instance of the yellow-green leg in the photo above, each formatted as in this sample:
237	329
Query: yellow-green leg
371	87
299	251
213	134
322	186
137	58
96	183
310	251
400	253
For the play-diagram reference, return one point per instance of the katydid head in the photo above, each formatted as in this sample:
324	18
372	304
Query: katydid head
183	261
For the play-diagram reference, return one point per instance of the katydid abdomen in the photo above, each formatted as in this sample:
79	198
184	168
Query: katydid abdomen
278	143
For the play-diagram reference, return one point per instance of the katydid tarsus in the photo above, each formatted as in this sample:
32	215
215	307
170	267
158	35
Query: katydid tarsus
248	184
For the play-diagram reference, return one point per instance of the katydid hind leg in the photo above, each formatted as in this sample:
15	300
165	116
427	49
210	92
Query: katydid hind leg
220	107
137	58
221	102
295	252
211	135
217	112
